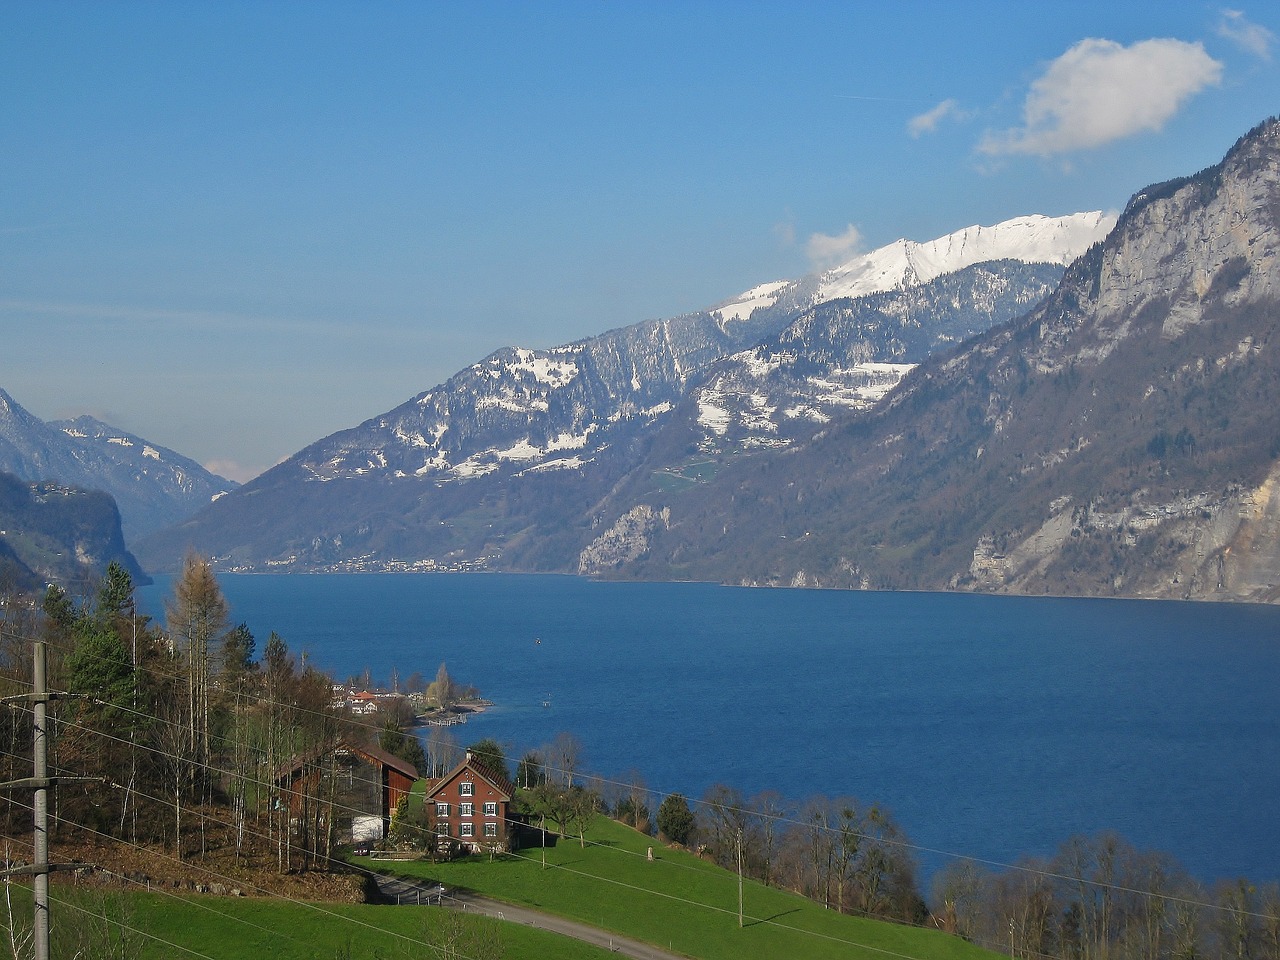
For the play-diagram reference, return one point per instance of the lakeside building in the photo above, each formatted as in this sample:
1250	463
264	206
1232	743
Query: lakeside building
473	807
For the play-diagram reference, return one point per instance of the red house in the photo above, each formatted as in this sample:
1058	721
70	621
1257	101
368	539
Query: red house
472	806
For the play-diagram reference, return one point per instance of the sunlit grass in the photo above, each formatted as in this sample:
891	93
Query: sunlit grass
679	902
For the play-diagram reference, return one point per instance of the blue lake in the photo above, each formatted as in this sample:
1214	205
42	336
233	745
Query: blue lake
992	727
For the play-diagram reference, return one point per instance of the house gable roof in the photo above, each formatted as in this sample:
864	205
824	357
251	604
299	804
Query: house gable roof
478	769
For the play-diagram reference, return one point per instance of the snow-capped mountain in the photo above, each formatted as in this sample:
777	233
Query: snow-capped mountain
461	461
153	486
556	409
1117	439
863	330
846	354
906	263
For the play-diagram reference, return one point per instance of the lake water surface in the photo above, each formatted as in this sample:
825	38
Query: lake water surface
992	727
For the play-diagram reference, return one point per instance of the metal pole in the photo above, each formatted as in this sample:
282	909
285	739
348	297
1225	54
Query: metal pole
40	747
739	879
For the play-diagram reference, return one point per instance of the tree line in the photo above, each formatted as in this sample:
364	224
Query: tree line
1097	898
166	723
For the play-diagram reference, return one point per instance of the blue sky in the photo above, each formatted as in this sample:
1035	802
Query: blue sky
234	228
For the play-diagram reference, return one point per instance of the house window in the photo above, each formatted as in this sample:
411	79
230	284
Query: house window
490	829
467	830
466	809
491	809
442	829
442	809
466	788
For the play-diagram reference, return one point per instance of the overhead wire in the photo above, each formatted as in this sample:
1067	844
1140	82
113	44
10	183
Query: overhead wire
633	887
779	818
204	870
791	821
511	821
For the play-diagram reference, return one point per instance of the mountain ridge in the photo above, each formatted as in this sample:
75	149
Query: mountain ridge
1118	440
478	470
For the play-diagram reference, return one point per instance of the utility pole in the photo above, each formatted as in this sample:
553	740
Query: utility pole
739	878
40	758
41	783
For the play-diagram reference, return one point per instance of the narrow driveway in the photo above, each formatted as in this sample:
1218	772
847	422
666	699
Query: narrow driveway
400	890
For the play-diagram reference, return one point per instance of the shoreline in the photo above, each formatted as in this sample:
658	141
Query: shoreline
458	713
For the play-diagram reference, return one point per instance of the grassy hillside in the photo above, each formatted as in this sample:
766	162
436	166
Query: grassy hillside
676	901
152	926
681	903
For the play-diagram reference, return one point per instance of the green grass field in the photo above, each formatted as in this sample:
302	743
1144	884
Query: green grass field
681	903
149	926
675	901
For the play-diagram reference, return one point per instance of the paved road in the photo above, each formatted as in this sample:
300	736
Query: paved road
400	890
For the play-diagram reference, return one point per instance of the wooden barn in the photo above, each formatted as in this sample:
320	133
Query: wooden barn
348	778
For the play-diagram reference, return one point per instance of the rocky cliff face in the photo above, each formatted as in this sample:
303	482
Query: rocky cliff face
52	533
1191	277
1119	440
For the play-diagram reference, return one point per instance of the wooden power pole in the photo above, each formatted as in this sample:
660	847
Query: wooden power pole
40	781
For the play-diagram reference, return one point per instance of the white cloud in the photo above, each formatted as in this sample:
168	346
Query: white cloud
827	251
1252	37
928	121
1100	91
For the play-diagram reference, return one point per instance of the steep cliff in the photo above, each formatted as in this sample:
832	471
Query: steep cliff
52	533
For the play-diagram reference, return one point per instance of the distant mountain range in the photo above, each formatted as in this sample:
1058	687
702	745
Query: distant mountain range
1077	406
153	486
509	464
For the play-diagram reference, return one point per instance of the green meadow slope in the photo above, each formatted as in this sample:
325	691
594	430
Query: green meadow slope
681	903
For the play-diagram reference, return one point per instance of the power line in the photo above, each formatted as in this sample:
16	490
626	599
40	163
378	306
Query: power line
272	894
781	819
684	900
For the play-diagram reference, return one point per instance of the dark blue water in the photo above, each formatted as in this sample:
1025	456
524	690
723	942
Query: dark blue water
992	727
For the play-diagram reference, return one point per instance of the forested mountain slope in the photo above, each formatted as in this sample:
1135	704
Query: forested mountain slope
52	533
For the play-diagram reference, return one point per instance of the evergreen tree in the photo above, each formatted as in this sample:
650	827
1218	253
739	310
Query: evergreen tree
675	819
397	742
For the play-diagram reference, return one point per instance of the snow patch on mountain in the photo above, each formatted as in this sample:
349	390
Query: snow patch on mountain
742	306
711	415
1033	239
564	463
861	386
629	411
569	441
546	367
512	405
